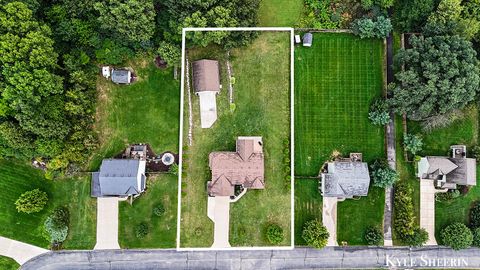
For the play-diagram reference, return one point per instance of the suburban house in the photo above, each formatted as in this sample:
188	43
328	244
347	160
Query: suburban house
243	168
345	178
121	177
448	172
307	40
206	83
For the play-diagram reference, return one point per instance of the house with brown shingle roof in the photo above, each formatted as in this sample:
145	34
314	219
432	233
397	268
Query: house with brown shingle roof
243	168
206	83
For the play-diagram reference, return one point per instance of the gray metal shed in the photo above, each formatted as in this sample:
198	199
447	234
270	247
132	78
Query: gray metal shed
121	76
307	40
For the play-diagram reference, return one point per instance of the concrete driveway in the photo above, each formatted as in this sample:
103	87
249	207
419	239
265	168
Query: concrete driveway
19	251
329	219
219	212
107	223
208	108
427	209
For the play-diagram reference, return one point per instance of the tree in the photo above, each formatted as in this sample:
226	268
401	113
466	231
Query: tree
457	236
315	234
447	10
379	112
373	236
417	239
413	143
129	22
383	176
274	234
31	201
411	15
441	74
170	53
368	28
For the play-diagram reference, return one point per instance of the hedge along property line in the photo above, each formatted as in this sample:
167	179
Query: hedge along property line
324	30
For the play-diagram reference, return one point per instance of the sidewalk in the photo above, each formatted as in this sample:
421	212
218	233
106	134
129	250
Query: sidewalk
19	251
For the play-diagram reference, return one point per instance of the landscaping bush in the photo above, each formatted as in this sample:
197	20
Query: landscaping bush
159	210
379	112
447	196
383	176
475	215
417	239
274	234
372	28
31	201
173	169
476	152
60	217
170	53
457	236
404	218
373	236
413	143
55	233
141	230
315	234
476	237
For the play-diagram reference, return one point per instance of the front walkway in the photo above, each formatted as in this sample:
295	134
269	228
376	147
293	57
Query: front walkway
427	209
329	219
107	223
219	212
19	251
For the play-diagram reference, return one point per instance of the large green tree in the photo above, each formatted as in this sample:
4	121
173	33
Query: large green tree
441	74
411	15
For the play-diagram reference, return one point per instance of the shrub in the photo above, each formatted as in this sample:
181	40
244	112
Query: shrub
173	169
315	234
31	201
368	28
55	234
457	236
170	53
447	196
413	143
418	238
274	234
476	152
159	210
383	176
60	217
379	112
404	218
141	230
475	215
373	236
476	237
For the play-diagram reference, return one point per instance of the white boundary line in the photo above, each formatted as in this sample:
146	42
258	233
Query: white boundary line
292	138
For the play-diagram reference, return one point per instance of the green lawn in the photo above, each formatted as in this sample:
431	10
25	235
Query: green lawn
276	13
261	95
308	205
161	190
17	178
146	111
8	264
335	82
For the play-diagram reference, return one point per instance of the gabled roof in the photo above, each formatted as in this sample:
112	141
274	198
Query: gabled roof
119	177
206	75
345	179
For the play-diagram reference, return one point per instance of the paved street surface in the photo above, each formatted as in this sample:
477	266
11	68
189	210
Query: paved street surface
19	251
299	258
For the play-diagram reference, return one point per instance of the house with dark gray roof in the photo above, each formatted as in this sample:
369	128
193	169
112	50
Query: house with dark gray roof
121	76
345	179
448	172
119	178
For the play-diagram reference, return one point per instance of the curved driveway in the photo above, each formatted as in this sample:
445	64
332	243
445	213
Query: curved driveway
299	258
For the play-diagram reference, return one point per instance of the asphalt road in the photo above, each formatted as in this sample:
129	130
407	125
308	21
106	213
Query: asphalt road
299	258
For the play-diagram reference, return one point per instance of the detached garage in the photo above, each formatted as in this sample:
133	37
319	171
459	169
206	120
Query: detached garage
206	83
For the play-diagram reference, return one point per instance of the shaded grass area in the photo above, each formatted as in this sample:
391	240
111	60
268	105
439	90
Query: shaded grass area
8	264
17	178
276	13
308	205
161	190
355	216
262	109
335	82
146	111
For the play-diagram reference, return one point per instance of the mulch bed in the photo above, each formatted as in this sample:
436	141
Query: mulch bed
154	162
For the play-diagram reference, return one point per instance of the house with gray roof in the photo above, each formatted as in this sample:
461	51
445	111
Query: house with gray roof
345	179
448	172
119	178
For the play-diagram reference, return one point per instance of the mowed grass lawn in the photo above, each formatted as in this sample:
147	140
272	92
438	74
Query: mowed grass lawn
262	93
17	178
335	82
8	264
276	13
147	111
309	200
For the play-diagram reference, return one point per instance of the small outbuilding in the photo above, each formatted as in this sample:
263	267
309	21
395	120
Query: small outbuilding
307	40
121	76
206	83
297	39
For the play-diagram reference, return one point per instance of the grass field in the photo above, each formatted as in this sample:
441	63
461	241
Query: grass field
262	108
162	190
308	205
335	82
146	111
8	264
73	193
276	13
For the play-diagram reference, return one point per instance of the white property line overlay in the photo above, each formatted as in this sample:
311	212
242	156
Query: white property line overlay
292	138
